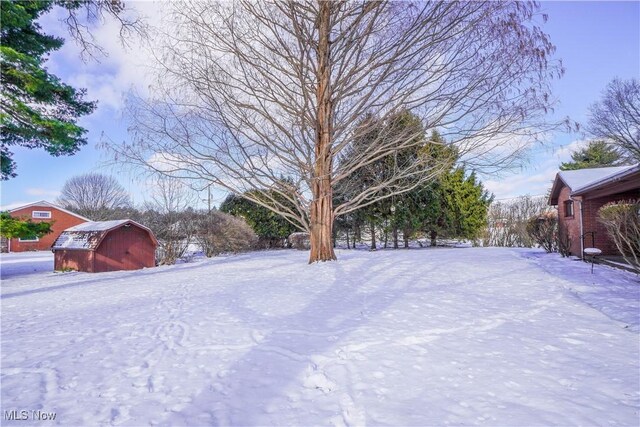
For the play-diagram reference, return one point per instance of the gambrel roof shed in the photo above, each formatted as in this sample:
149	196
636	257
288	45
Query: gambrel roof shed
89	235
105	246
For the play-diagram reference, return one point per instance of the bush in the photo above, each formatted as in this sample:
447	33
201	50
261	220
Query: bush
174	231
218	232
507	222
564	242
300	241
622	221
272	229
543	229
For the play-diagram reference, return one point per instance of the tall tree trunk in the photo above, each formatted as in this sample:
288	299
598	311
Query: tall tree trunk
386	237
347	231
405	234
322	204
334	236
373	236
395	237
434	234
357	234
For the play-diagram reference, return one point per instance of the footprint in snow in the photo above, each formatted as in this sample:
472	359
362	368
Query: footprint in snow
319	381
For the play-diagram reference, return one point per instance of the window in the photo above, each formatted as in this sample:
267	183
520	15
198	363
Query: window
568	208
29	239
41	214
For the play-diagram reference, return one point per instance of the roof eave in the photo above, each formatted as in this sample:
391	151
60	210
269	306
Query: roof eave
608	180
555	190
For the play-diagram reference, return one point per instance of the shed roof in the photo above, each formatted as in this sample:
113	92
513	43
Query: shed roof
581	180
88	235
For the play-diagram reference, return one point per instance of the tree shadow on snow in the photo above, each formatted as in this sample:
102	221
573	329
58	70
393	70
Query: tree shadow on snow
289	360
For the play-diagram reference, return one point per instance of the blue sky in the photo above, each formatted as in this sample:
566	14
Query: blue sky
597	41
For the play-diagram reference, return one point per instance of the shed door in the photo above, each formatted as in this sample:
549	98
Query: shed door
117	249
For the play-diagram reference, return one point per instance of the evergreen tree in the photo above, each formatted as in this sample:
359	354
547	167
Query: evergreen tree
37	110
395	211
466	202
597	154
270	227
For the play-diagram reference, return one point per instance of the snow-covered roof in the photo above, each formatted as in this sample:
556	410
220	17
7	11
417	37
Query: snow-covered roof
629	174
98	225
88	235
44	203
583	179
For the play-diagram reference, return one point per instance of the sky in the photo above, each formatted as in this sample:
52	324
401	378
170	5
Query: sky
596	41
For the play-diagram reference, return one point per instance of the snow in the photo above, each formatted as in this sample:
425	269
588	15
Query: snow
88	235
576	179
98	225
470	336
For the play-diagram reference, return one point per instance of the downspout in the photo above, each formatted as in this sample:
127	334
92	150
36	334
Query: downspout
581	231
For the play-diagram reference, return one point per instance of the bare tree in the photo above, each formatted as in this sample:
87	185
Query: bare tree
617	116
81	15
93	195
622	221
253	91
169	214
218	232
507	221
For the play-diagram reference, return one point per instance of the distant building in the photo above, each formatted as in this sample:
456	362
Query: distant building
43	211
96	247
579	194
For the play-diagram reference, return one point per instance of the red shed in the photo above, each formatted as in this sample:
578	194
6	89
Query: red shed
95	247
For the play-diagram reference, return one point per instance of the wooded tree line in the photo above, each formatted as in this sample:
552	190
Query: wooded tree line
453	204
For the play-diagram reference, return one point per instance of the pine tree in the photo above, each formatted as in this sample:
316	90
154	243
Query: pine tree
37	110
455	206
396	210
597	154
466	202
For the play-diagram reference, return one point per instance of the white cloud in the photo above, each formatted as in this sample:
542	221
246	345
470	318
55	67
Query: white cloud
106	78
42	192
535	179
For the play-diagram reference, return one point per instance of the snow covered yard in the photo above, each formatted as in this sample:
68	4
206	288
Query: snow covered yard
474	336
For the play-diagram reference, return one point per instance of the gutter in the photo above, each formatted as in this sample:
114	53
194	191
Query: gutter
581	230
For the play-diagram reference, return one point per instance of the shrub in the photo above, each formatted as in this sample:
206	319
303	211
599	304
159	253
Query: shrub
564	242
507	222
174	231
272	229
300	241
622	221
218	232
543	229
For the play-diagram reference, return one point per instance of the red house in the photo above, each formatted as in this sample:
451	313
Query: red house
96	247
60	218
579	194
